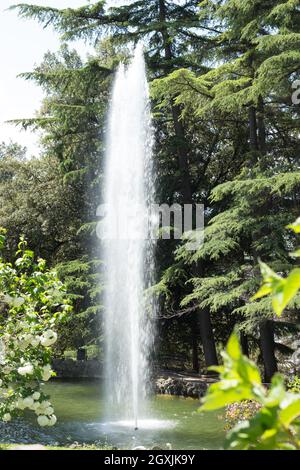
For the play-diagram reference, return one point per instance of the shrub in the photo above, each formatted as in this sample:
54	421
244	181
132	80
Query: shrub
240	411
33	302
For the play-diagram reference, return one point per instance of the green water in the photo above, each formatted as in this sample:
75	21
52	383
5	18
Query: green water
79	407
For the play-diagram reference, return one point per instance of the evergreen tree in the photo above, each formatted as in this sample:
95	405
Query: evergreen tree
257	44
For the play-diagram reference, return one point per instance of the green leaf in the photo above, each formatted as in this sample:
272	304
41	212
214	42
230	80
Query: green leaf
286	291
295	226
263	291
268	274
222	398
2	241
239	379
233	347
295	254
290	409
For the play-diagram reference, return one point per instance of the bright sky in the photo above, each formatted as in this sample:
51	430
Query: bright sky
23	44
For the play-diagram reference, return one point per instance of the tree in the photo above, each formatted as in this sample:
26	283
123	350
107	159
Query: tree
251	88
247	229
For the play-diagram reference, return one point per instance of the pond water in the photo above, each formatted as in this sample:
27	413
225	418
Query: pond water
79	407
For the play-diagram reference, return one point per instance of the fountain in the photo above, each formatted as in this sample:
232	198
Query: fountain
128	248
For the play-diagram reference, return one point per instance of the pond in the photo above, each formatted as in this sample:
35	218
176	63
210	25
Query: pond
79	407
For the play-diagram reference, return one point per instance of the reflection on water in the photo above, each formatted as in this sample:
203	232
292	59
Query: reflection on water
80	412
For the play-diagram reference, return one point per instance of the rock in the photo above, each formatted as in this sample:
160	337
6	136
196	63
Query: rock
139	448
181	386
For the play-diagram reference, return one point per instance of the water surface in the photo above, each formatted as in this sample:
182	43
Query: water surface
80	409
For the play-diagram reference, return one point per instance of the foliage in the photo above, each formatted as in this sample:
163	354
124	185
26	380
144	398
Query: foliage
293	385
277	424
33	304
281	290
239	412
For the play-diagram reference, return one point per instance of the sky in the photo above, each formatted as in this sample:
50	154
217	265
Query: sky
23	44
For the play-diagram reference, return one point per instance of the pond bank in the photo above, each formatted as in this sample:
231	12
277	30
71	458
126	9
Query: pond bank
182	384
165	382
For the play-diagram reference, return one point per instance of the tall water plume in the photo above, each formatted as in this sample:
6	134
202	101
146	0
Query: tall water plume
128	247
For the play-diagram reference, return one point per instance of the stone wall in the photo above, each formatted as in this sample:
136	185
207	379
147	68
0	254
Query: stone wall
70	369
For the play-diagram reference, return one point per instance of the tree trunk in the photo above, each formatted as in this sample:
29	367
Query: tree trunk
207	337
267	344
195	356
261	126
253	129
244	344
182	151
182	146
81	354
186	190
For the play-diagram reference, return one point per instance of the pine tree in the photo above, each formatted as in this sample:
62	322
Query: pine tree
250	227
257	44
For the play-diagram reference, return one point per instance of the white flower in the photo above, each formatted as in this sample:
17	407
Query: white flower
13	301
36	396
22	345
52	420
48	338
28	402
47	373
27	369
36	407
45	404
49	411
7	370
28	337
43	421
35	341
8	299
6	417
20	404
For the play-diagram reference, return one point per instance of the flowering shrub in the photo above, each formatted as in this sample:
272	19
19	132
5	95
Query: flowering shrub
293	384
240	411
33	302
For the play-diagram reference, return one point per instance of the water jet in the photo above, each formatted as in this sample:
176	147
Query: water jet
128	248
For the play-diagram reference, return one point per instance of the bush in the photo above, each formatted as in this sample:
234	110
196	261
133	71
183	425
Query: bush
293	385
33	302
240	411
